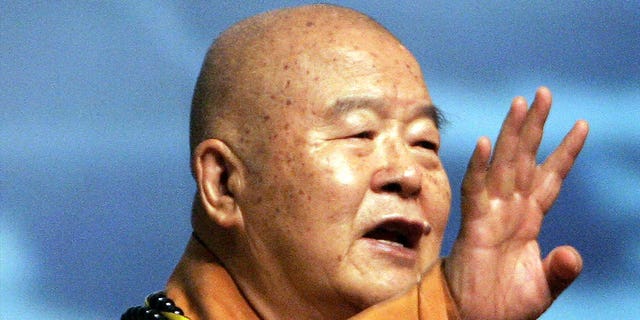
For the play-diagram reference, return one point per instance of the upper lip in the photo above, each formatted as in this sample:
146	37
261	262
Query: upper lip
402	230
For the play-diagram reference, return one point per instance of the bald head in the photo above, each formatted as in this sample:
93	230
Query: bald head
254	66
311	111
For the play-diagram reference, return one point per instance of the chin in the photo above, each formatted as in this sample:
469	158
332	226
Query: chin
378	273
378	288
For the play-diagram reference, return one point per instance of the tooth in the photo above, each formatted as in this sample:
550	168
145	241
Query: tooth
396	244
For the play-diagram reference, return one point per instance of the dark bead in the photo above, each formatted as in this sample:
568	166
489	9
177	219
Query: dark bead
152	314
160	301
178	311
142	313
155	296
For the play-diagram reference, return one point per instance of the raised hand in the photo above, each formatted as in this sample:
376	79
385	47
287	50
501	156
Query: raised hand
495	270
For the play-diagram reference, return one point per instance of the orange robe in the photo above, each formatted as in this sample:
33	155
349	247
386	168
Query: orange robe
428	300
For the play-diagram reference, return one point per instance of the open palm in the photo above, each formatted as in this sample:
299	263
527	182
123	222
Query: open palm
495	270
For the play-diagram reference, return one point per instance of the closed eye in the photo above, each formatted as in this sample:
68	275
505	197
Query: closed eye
363	135
428	145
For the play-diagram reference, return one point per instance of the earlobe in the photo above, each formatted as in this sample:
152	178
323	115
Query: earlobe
218	172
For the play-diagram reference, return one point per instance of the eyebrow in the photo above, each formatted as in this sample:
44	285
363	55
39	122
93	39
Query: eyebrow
345	105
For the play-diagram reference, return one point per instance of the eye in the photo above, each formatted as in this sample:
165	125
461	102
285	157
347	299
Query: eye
363	135
428	145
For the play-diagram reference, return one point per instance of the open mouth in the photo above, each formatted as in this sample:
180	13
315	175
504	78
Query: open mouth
399	232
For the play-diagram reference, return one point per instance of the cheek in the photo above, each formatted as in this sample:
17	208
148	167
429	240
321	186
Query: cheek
343	169
305	188
321	190
437	201
436	204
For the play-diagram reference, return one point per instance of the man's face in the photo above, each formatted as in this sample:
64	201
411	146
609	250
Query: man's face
349	201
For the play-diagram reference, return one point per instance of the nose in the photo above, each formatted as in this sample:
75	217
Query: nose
399	173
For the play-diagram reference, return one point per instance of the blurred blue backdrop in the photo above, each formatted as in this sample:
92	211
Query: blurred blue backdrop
95	190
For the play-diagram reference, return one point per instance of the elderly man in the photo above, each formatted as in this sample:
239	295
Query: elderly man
321	194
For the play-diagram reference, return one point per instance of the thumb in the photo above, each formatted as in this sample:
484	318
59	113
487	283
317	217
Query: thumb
561	266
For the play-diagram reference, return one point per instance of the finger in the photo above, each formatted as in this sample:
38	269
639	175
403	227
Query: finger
501	170
508	137
530	137
557	166
474	178
562	159
561	267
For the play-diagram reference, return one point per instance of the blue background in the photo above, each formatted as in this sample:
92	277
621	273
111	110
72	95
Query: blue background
95	190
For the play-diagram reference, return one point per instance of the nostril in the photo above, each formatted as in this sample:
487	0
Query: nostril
405	182
392	187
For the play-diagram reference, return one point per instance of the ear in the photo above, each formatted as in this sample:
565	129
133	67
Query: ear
219	174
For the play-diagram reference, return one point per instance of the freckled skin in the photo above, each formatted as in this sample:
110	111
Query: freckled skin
312	222
310	192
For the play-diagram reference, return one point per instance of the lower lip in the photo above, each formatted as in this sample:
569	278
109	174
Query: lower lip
400	253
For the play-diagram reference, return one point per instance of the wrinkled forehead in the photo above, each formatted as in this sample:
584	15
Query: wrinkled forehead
309	63
376	71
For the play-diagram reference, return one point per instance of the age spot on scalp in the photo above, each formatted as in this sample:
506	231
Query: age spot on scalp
310	24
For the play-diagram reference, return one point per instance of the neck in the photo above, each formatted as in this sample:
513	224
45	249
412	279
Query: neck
204	289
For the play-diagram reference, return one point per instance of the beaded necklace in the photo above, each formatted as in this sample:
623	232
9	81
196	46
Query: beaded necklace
156	307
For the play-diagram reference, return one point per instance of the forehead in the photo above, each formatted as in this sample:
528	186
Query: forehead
315	69
366	75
